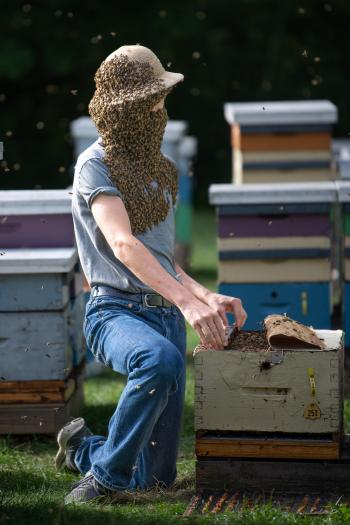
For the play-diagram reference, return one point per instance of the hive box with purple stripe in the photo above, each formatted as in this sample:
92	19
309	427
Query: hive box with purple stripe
275	248
36	219
41	328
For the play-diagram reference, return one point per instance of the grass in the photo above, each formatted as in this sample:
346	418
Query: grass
32	492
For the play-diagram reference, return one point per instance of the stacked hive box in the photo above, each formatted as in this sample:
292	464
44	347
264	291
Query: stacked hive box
184	208
270	399
341	155
274	246
261	412
343	188
281	141
36	219
181	149
42	312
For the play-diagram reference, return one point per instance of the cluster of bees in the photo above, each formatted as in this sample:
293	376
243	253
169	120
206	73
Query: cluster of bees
132	134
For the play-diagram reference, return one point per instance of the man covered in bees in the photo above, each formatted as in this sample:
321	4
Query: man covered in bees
123	203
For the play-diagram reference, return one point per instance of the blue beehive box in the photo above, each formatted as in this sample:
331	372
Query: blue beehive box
41	314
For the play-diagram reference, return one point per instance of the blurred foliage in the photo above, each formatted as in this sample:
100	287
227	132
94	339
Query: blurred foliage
240	50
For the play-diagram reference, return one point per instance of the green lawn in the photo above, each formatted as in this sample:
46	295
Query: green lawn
31	491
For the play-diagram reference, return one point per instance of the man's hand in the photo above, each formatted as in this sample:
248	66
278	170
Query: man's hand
224	303
207	322
218	306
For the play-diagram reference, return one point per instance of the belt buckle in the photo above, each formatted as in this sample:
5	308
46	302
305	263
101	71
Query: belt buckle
146	303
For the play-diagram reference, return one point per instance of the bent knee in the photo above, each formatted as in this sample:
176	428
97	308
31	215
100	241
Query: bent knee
168	362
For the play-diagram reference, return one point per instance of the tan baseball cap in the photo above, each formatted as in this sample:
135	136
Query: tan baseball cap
144	54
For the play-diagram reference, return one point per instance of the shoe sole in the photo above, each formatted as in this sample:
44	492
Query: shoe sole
62	438
98	499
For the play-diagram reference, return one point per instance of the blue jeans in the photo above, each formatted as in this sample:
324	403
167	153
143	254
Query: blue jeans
148	345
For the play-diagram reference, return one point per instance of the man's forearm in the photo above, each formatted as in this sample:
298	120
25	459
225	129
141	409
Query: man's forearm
135	256
193	286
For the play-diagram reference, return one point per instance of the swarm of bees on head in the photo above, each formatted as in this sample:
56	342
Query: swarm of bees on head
126	91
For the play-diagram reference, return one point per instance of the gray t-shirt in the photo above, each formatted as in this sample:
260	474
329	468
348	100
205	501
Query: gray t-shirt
91	178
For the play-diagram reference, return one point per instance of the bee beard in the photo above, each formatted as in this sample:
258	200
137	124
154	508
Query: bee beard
147	179
137	137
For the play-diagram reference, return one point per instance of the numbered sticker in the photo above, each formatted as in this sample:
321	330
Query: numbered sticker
312	411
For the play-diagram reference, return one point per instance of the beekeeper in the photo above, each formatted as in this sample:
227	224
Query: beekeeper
124	196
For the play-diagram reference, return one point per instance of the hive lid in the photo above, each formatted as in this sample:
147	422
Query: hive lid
37	260
343	188
35	202
281	112
188	147
273	193
83	128
175	130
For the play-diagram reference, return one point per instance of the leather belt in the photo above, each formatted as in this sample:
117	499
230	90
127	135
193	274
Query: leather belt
147	299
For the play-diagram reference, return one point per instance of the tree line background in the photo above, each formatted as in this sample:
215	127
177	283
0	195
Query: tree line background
228	51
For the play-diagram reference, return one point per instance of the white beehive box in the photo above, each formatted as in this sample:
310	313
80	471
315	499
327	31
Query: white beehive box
281	112
234	392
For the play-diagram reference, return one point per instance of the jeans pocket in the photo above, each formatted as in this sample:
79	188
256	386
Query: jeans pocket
110	304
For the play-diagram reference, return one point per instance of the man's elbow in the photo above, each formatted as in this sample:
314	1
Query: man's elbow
123	247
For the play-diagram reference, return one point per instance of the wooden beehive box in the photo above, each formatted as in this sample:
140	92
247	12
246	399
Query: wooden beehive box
271	391
281	141
41	314
36	219
269	418
343	190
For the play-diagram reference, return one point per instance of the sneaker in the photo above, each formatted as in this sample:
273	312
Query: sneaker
86	490
69	438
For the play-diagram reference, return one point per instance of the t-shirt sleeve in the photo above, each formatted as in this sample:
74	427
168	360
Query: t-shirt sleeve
93	180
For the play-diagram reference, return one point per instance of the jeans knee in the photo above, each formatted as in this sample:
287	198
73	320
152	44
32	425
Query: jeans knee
169	363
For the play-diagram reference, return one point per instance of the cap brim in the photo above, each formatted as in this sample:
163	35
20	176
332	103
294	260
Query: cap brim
170	79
